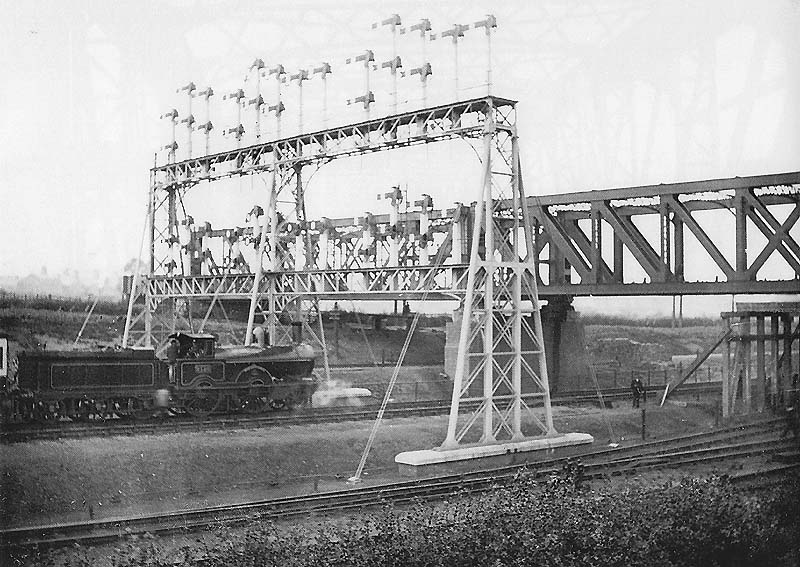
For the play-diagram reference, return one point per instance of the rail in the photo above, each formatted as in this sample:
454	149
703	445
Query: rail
758	438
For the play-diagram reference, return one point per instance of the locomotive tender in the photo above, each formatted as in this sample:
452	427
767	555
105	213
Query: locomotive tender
195	377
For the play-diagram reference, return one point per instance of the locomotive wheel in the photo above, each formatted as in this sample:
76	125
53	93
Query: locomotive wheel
81	410
250	404
255	399
126	407
100	410
279	404
43	412
140	408
202	401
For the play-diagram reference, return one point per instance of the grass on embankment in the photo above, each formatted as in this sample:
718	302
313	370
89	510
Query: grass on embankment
49	481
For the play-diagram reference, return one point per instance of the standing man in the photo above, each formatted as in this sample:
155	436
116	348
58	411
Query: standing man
791	412
637	389
172	358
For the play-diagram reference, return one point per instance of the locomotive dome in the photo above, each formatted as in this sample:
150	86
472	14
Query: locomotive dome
305	350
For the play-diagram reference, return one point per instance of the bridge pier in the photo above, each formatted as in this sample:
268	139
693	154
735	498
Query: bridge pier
562	329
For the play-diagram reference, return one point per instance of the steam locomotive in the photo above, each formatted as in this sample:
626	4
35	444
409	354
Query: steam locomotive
196	377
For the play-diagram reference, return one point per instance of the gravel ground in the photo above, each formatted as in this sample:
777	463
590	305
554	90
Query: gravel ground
70	480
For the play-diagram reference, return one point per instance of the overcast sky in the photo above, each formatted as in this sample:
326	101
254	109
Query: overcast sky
612	93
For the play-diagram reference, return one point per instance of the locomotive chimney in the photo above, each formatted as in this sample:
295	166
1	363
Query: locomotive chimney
297	332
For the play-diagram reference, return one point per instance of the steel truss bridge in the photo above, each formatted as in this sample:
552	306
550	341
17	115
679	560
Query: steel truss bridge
570	254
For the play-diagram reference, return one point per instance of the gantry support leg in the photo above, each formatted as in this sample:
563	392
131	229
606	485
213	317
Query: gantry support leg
501	345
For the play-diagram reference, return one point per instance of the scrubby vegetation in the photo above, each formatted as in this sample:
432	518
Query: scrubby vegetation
655	322
624	342
696	522
60	304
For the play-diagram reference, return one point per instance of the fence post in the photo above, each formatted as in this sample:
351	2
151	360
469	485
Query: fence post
697	392
644	425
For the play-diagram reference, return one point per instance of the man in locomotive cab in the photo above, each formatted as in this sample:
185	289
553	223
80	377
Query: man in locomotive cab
172	357
194	349
193	346
203	346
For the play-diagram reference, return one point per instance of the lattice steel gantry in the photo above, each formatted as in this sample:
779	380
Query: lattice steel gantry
501	344
292	267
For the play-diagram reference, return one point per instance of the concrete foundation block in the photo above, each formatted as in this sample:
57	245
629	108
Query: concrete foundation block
440	461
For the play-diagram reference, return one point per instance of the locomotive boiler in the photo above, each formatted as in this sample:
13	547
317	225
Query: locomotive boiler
192	375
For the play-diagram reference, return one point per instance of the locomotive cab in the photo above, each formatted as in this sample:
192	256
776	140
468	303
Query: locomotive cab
192	345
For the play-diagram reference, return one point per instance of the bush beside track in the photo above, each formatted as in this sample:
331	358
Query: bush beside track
694	522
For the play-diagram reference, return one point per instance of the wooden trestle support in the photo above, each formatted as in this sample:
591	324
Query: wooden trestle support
754	327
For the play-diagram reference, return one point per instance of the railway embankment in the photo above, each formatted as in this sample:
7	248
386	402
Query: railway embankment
75	479
731	488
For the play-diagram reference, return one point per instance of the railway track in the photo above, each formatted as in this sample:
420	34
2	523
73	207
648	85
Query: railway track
757	439
18	433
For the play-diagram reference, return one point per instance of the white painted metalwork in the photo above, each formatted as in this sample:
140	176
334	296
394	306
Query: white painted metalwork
500	346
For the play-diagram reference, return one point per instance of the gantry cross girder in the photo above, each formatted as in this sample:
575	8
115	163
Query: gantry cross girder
559	238
178	260
444	122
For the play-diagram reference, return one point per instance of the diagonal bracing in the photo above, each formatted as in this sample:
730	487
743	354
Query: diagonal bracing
501	348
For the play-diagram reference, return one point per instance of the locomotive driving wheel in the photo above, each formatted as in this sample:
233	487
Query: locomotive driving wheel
203	400
125	407
279	404
283	396
139	408
255	398
254	388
